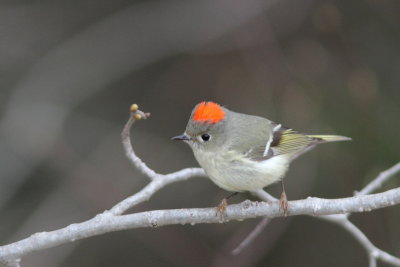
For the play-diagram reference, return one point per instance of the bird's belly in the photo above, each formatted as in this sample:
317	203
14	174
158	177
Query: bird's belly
240	174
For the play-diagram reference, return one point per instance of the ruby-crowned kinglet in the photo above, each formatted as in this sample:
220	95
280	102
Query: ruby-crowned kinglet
242	152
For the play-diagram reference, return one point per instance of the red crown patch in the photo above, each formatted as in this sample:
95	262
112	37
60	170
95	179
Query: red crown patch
208	112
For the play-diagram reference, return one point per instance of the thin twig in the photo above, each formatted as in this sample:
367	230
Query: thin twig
126	142
259	227
158	180
250	237
378	181
147	192
373	252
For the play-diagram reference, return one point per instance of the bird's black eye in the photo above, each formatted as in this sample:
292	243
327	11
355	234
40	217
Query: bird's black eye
205	137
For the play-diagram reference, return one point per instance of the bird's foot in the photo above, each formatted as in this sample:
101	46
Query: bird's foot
221	209
283	203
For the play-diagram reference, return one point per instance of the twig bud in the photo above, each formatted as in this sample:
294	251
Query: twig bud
134	108
137	116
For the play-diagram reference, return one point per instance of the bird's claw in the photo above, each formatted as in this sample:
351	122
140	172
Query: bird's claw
283	204
221	209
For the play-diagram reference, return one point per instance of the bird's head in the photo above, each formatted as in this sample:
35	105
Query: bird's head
205	129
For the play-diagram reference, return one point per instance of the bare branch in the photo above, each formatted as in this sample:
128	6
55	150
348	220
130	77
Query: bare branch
372	261
108	222
378	181
374	253
113	220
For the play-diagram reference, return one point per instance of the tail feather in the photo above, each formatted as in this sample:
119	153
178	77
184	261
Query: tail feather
330	138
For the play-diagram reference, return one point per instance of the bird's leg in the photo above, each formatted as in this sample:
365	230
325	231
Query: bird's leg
283	202
221	209
232	195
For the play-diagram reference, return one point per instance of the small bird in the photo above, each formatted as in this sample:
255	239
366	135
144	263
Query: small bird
241	152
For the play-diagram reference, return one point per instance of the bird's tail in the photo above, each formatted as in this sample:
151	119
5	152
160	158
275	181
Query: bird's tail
330	138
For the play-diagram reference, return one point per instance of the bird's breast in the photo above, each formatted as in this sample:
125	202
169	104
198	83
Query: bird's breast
233	172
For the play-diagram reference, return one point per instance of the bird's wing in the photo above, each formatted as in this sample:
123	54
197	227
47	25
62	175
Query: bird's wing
283	141
269	140
288	141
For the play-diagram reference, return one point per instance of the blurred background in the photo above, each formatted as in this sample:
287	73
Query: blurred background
70	69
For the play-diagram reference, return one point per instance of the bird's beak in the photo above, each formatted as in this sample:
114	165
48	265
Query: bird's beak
182	137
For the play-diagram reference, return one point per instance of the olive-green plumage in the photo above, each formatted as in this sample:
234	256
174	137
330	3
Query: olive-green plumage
242	152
